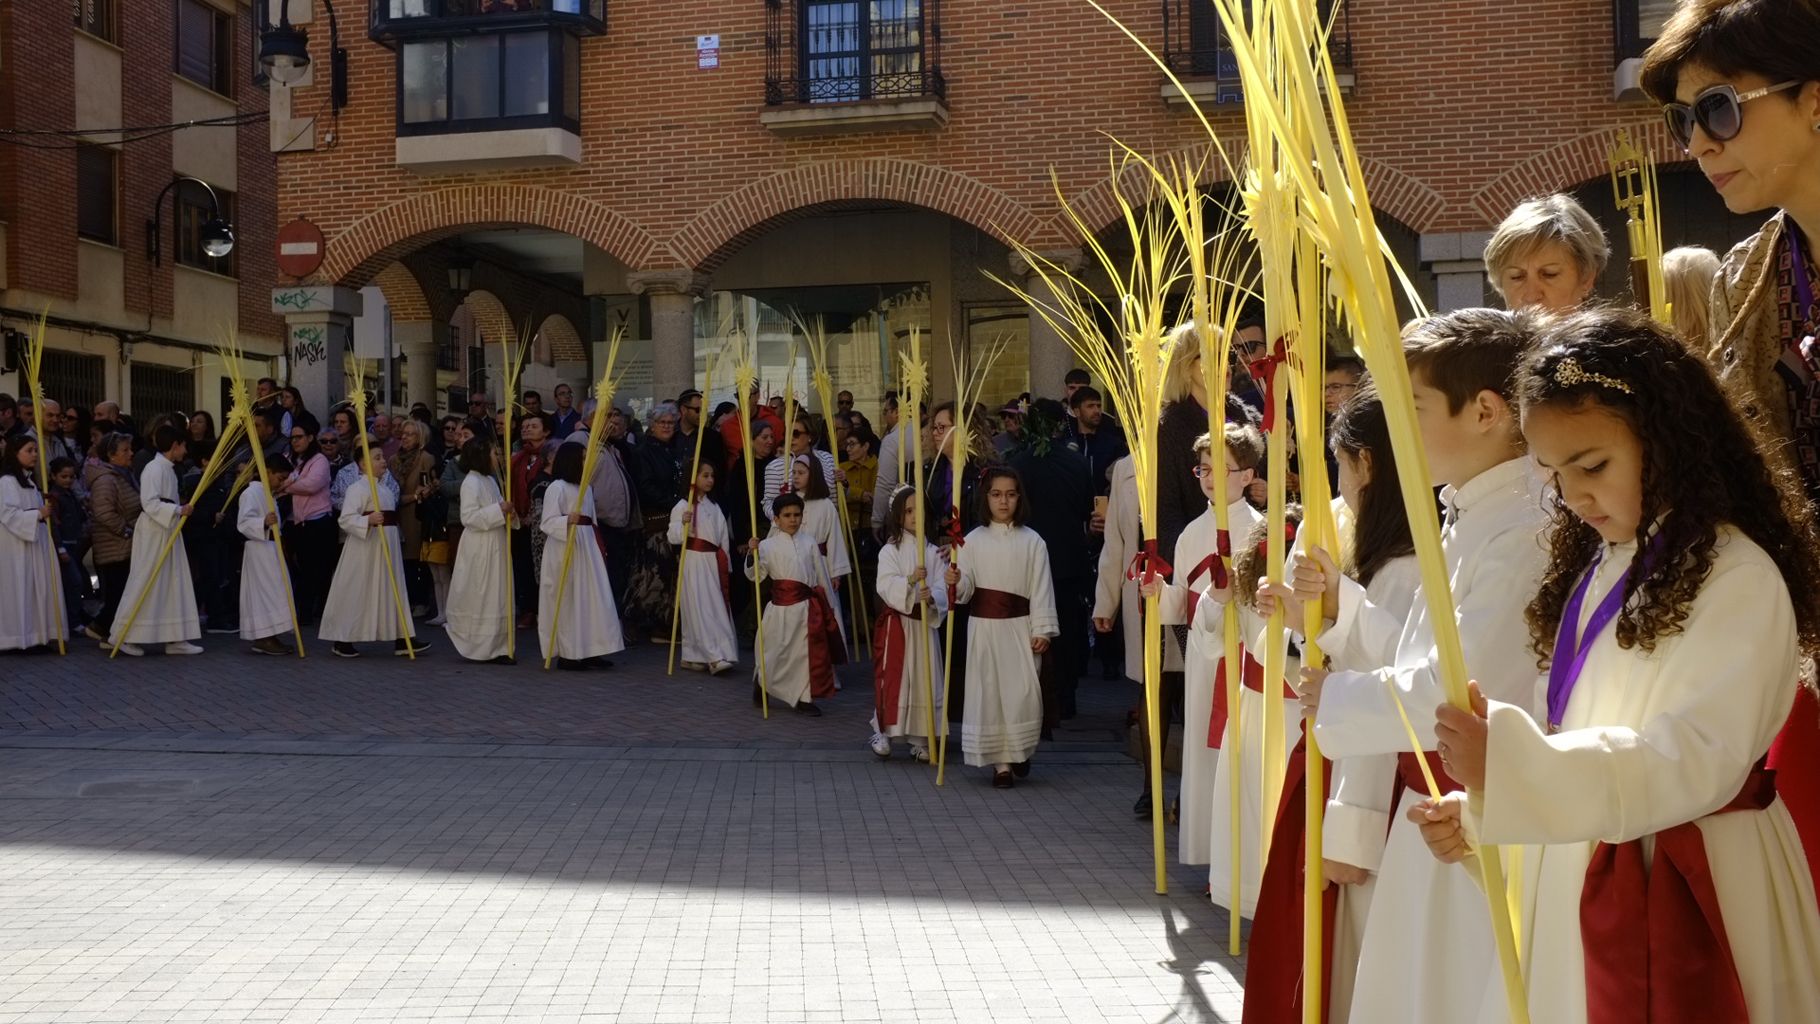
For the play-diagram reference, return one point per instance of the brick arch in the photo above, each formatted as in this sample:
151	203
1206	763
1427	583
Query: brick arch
1393	193
1568	164
404	294
362	250
721	229
491	317
560	338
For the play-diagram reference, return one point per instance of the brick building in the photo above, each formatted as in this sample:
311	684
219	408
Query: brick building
79	197
574	165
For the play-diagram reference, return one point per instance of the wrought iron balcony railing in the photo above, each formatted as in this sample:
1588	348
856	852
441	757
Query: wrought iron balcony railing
1195	44
399	19
838	51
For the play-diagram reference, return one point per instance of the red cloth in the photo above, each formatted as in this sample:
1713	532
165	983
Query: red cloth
1795	757
997	604
720	560
890	639
527	466
1273	963
1252	680
1681	972
826	648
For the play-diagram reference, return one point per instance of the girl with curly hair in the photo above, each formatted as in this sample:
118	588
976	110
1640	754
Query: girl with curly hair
1678	615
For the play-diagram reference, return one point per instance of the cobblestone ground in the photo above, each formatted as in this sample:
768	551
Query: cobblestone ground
229	837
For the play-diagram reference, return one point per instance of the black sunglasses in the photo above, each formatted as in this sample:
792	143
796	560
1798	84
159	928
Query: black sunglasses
1718	111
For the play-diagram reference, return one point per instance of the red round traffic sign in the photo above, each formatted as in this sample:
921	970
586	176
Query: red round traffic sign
300	248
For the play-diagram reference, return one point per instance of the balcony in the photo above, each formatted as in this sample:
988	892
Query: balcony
393	20
1197	51
837	66
1636	24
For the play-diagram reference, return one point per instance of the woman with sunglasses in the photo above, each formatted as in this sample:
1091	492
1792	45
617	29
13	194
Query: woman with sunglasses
1740	87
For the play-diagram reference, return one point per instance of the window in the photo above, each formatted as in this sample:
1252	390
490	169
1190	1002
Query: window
160	390
1639	22
489	82
98	18
74	379
834	51
191	205
205	46
97	193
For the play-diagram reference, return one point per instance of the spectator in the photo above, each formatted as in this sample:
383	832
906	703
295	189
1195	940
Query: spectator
689	423
310	531
419	508
566	419
1688	274
71	532
530	467
1096	436
658	474
1058	492
113	509
843	402
10	424
1073	381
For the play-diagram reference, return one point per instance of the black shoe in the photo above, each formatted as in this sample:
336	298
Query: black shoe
271	645
571	665
1021	769
808	708
600	663
1001	780
345	650
1142	807
1047	735
504	659
417	646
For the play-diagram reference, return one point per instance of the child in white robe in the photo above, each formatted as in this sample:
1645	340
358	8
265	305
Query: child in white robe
166	603
477	615
1004	580
906	640
1201	577
31	580
365	595
708	641
821	521
265	585
586	629
801	636
1660	868
1427	954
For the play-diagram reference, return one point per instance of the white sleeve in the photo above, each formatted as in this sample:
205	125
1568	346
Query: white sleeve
1358	811
1363	635
555	522
354	509
894	567
249	519
675	535
19	521
1042	591
838	562
1725	687
477	512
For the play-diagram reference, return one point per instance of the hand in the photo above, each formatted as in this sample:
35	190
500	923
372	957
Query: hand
1102	625
575	518
923	595
184	510
840	475
919	574
1462	737
44	513
1338	873
376	518
63	556
1039	644
688	515
505	509
1439	821
1314	575
1309	692
1151	585
1271	596
271	519
953	576
835	583
1096	523
749	546
1258	492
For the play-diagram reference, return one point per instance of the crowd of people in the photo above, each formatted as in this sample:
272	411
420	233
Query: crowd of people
1627	520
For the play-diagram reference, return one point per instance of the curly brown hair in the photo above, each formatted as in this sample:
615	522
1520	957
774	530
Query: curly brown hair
1248	561
1702	467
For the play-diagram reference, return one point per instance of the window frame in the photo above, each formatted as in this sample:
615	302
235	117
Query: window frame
190	209
222	40
866	58
557	89
105	28
88	150
1627	17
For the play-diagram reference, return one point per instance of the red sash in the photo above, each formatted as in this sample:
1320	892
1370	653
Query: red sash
1654	938
720	560
826	648
1273	963
1252	680
890	641
1409	776
390	517
998	604
1795	757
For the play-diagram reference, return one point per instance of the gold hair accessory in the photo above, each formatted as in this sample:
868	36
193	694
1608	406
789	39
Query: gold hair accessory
1568	374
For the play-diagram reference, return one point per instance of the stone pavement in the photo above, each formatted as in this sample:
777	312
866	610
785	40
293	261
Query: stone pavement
229	838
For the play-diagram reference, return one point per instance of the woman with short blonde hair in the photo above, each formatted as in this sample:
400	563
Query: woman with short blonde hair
1548	254
1688	274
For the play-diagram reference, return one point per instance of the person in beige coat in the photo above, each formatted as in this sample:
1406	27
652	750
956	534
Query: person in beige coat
113	509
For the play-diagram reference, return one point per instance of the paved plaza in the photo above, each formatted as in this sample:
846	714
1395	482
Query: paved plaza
236	838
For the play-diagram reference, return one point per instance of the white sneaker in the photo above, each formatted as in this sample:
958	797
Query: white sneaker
130	650
437	621
180	647
718	667
881	745
919	754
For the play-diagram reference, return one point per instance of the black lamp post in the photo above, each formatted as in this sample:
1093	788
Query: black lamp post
284	51
461	277
217	234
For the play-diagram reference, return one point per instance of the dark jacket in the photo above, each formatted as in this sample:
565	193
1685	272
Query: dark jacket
1058	493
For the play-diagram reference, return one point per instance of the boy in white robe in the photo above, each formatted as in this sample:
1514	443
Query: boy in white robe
32	612
585	629
1004	580
265	585
708	641
906	640
1427	954
369	577
1200	577
801	636
478	617
167	603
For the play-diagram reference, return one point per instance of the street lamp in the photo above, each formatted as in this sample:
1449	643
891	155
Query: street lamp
284	51
461	277
217	235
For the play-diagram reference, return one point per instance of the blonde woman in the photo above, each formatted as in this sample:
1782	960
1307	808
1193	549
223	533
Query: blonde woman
1548	254
1689	273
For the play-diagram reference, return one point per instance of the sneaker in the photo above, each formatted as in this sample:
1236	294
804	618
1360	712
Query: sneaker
271	645
398	648
94	634
418	611
808	708
439	620
919	754
694	666
881	745
1142	807
182	647
342	650
719	668
130	650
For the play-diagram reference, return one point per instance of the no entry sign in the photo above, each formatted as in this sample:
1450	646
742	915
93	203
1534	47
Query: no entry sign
300	248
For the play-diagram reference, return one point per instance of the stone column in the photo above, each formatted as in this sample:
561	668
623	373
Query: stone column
673	294
318	334
1050	356
417	340
1457	260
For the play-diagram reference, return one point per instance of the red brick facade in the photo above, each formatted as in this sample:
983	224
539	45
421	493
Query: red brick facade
1460	109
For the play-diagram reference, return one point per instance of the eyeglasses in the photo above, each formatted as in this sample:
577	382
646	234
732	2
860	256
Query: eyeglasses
1337	387
1203	472
799	433
1718	111
71	417
329	442
696	409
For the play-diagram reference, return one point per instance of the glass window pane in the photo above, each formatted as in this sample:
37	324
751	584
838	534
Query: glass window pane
95	193
426	72
475	70
527	73
196	42
1651	15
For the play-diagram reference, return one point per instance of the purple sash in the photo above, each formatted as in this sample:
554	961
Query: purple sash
1572	647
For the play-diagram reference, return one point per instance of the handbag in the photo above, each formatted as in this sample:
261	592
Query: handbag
437	552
